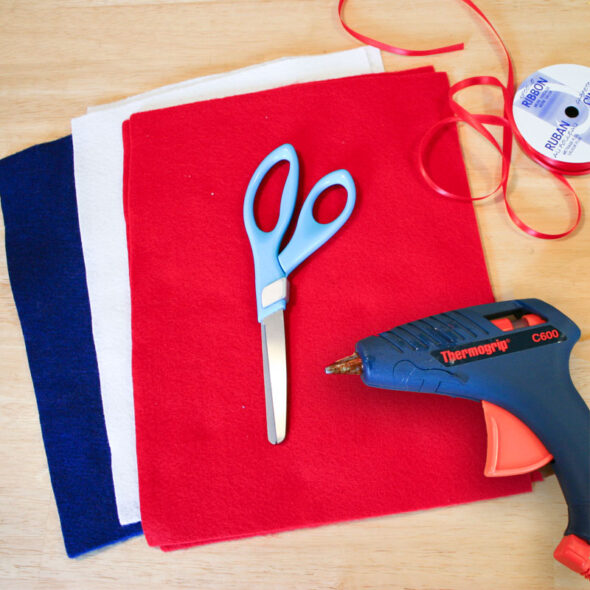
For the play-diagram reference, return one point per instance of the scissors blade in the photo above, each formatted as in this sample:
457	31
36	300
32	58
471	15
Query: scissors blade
274	360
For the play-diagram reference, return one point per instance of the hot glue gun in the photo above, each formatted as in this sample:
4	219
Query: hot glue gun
513	356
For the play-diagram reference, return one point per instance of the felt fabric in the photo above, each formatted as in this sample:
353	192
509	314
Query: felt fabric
206	470
98	164
48	281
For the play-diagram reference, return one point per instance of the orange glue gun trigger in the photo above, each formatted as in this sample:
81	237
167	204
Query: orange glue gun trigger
512	448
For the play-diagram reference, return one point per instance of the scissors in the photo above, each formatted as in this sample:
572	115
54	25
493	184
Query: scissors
272	267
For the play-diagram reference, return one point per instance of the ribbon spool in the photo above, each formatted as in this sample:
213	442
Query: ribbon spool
551	111
510	128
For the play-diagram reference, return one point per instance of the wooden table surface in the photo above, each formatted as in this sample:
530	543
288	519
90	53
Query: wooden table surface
59	56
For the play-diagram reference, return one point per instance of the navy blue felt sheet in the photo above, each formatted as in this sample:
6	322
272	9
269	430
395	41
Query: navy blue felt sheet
47	275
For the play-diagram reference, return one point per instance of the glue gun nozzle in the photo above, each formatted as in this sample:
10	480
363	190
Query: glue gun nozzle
351	365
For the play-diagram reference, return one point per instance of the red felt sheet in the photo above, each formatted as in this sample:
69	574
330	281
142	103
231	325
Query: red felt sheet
206	470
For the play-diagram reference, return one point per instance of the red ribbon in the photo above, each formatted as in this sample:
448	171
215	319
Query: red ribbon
478	122
391	48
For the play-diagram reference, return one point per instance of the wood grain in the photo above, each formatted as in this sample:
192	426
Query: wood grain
59	56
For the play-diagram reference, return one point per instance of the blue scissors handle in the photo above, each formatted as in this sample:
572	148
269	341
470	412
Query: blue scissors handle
265	245
309	234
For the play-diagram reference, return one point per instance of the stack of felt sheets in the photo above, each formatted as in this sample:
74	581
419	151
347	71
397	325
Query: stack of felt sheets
133	278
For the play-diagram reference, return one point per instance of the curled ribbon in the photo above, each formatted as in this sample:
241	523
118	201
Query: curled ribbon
478	121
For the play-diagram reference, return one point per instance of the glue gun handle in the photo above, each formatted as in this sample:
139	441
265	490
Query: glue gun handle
573	475
561	420
535	386
572	463
553	410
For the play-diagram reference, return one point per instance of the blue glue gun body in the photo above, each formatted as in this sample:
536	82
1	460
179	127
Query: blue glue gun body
514	357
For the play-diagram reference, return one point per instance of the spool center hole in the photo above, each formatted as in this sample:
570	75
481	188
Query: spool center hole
572	112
